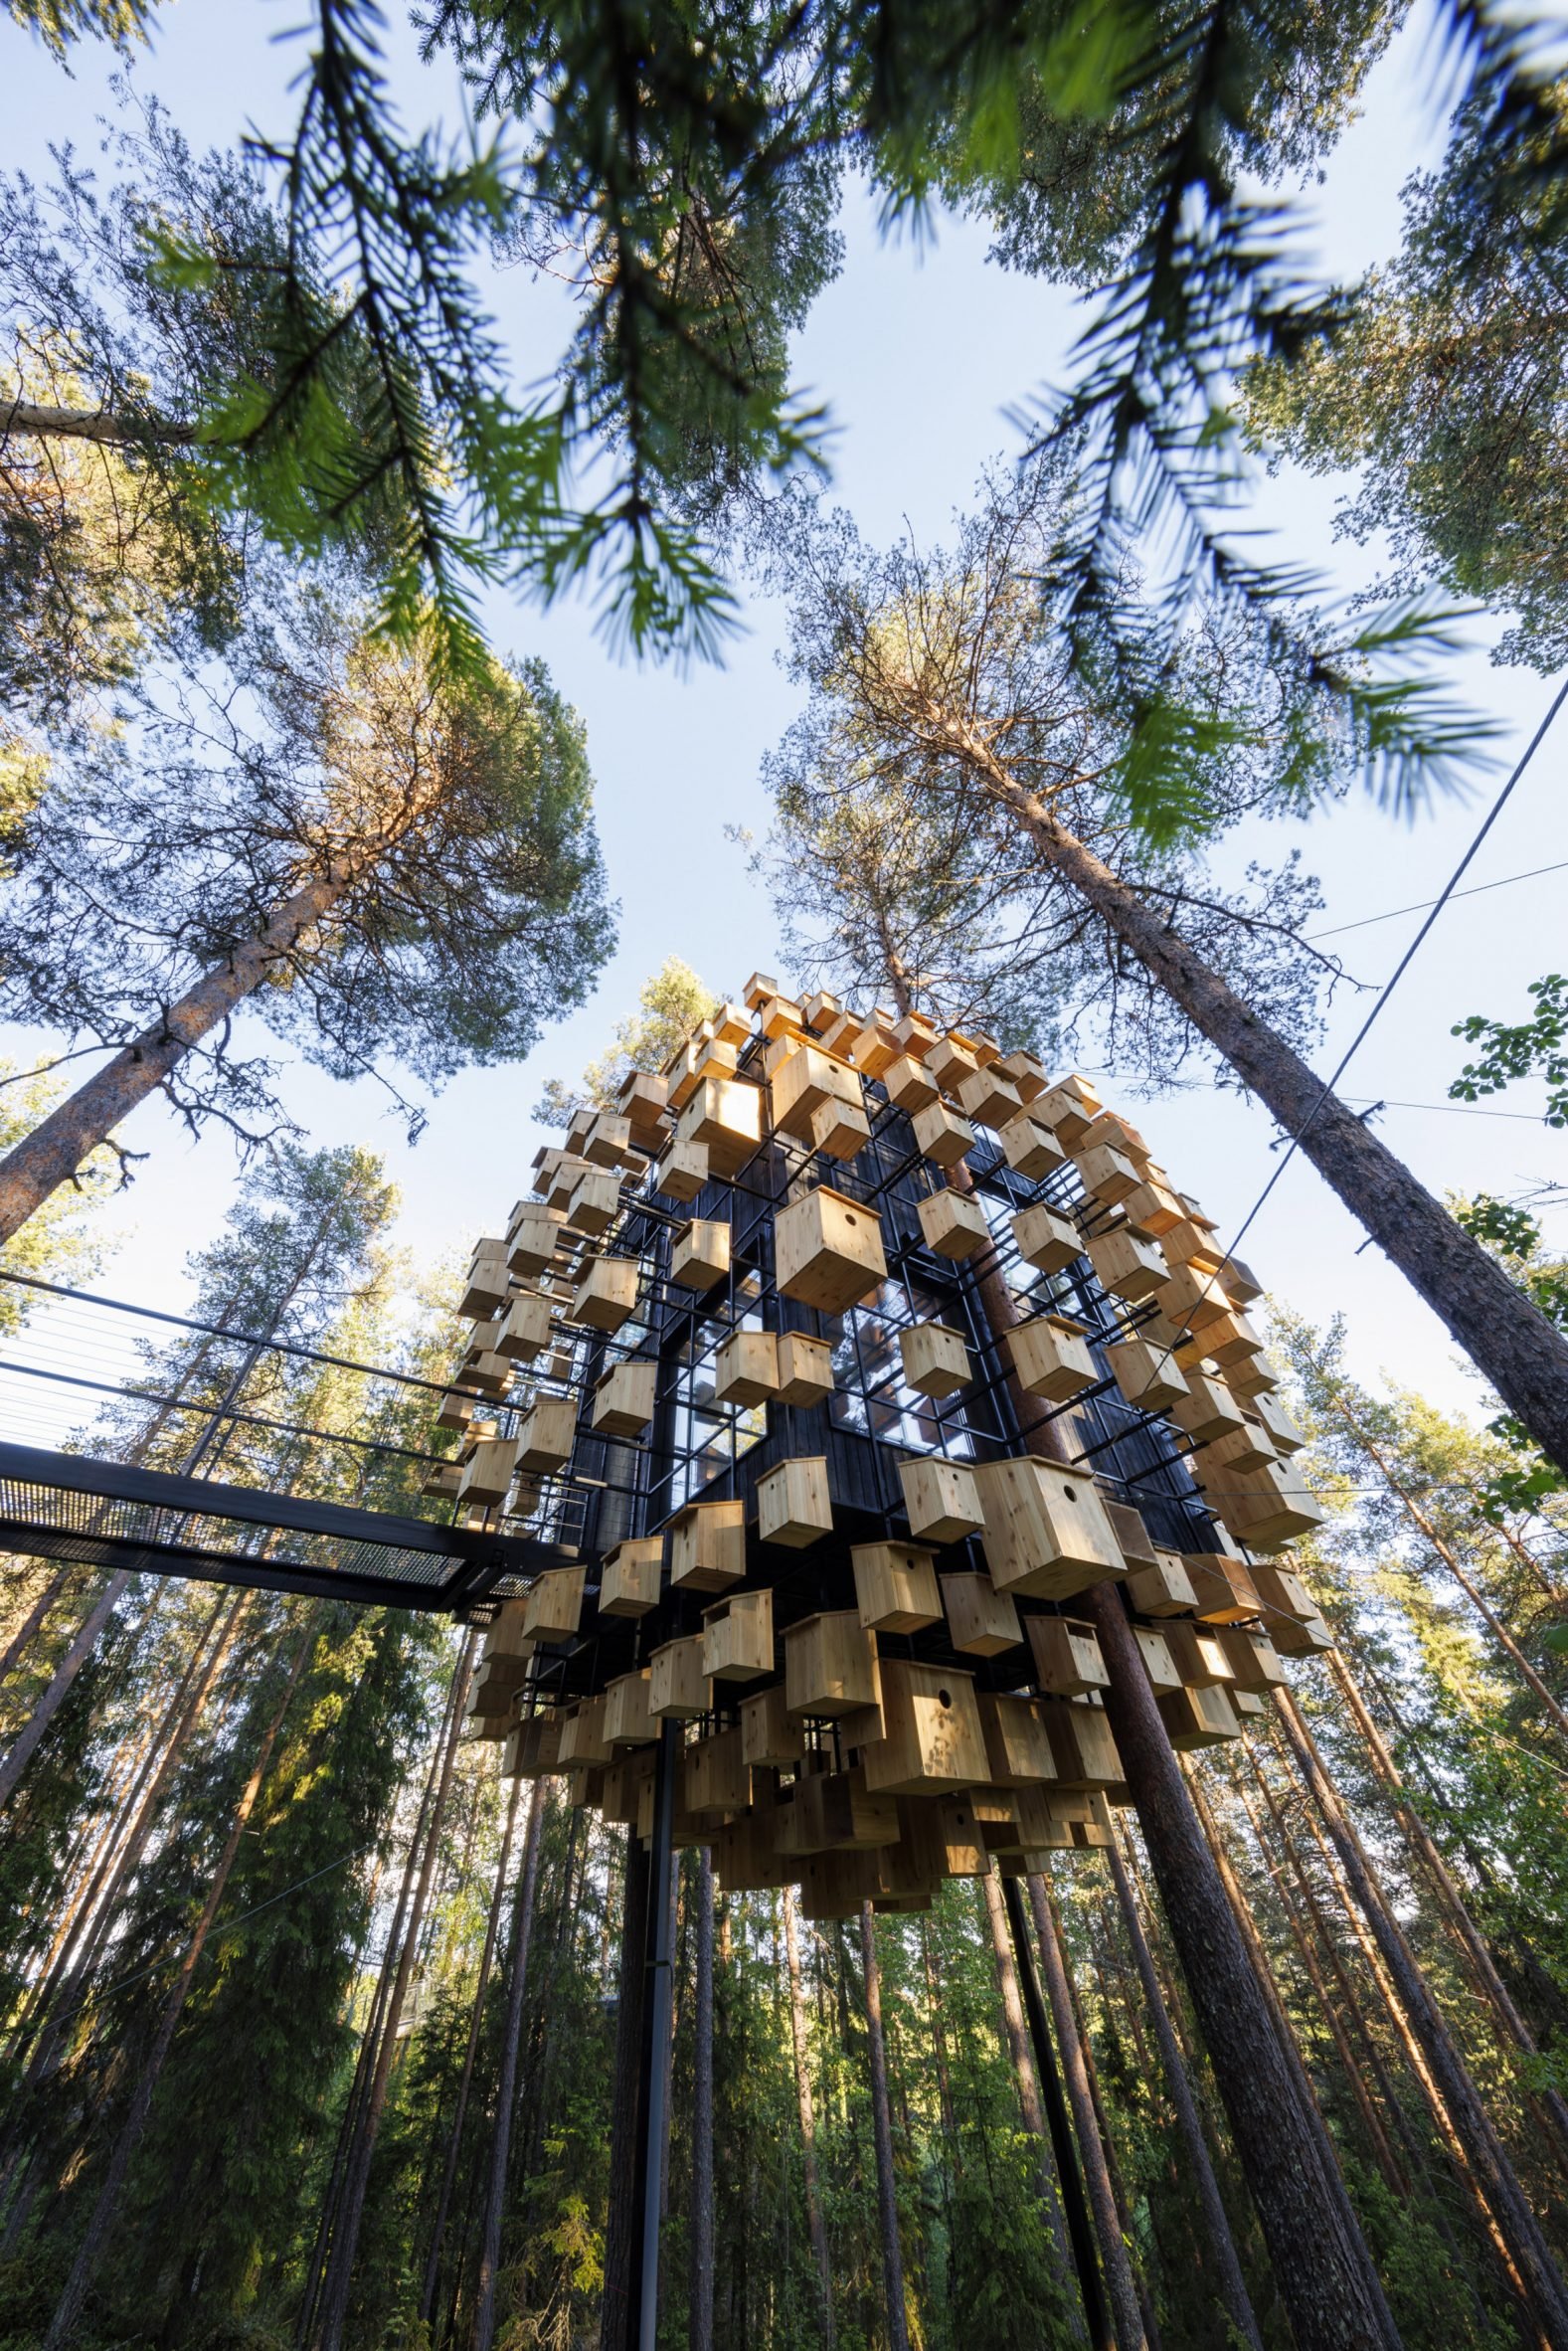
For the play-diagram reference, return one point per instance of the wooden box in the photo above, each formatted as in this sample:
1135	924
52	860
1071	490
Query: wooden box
806	1081
1248	1447
1193	1297
708	1547
1223	1590
677	1686
1280	1591
1283	1432
627	1721
1265	1508
1199	1657
1127	1266
932	1737
829	1250
1046	1531
746	1368
683	1171
1154	1650
915	1034
595	1203
505	1637
793	1506
1163	1589
1208	1410
1067	1659
1198	1718
624	1399
949	1063
1028	1071
533	1749
941	1499
700	1253
894	1586
583	1737
936	1359
989	1097
836	1812
830	1664
953	1223
547	1433
1029	1148
488	1472
525	1327
942	1135
1231	1341
738	1637
770	1739
624	1780
907	1087
806	1369
1145	1374
1106	1175
609	1141
494	1687
532	1236
725	1113
607	1295
453	1411
840	1129
981	1621
1251	1656
630	1578
487	1287
1051	1358
716	1776
1071	1107
1308	1636
1152	1208
1017	1743
1081	1746
1045	1239
555	1605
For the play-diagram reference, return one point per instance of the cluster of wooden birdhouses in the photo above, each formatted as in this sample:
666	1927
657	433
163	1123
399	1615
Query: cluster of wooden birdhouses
871	1698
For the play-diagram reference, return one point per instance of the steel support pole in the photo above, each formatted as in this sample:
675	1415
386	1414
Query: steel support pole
1081	2234
657	2011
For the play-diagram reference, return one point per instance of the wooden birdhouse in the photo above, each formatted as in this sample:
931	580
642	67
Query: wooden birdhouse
606	1293
746	1368
547	1433
555	1605
1147	1376
792	1502
1151	1209
1159	1662
442	1480
1281	1430
532	1236
1192	1300
725	1113
453	1411
941	1498
757	989
942	1134
953	1223
609	1141
1251	1656
1046	1239
717	1779
583	1737
595	1203
1084	1751
1046	1531
700	1253
1070	1107
1017	1744
836	1812
708	1546
830	1664
1067	1659
1208	1410
677	1686
486	1292
525	1327
627	1721
631	1575
1027	1072
840	1129
873	1049
624	1399
1202	1717
683	1171
907	1087
1308	1636
806	1369
932	1737
829	1250
936	1359
1126	1266
1163	1588
988	1097
1265	1508
737	1637
1281	1592
770	1739
1248	1447
1222	1587
894	1586
806	1081
949	1063
1199	1655
1030	1147
917	1034
533	1749
1051	1358
981	1621
488	1473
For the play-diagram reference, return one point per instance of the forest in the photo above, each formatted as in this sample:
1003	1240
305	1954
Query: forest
341	2004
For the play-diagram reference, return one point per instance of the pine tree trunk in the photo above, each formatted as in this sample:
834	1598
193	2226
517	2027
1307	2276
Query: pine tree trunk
56	1147
492	1922
1320	2261
701	2331
623	2226
1120	2286
1233	2284
1501	1329
20	1753
1016	2032
32	1623
68	2312
802	2084
882	2131
1483	2149
345	2240
506	2082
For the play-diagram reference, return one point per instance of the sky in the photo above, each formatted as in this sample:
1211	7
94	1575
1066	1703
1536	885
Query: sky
920	351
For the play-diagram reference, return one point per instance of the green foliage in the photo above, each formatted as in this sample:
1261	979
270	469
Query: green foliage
669	1008
59	23
1516	1051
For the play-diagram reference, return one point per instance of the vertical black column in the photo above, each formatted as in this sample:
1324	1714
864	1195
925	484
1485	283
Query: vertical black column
657	2011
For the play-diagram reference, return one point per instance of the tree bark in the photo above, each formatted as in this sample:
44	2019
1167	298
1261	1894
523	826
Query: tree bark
622	2229
1483	2147
507	2085
48	423
492	1923
1121	2285
1016	2032
882	2132
32	1622
51	1155
701	2331
63	2326
1233	2284
1501	1329
21	1750
802	2084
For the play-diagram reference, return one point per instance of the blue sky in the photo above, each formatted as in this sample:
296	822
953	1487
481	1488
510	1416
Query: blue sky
920	352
